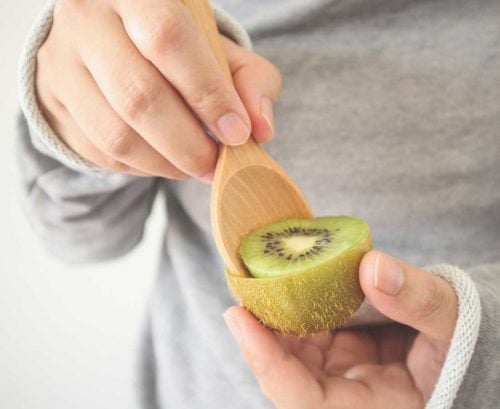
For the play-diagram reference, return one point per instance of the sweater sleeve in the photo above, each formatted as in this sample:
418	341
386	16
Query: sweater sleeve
480	387
470	377
81	212
463	343
80	216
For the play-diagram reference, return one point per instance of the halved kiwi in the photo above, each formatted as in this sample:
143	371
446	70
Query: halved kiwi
305	273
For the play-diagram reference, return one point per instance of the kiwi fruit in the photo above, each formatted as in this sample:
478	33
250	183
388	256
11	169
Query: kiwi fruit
304	273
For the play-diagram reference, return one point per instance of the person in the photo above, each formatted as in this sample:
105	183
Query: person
390	112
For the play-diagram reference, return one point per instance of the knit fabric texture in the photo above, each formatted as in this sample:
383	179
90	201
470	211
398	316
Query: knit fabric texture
464	338
469	307
28	101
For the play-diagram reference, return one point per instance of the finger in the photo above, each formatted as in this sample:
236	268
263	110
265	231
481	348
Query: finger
350	348
107	131
60	120
167	34
75	139
409	295
391	386
282	377
146	101
258	83
290	343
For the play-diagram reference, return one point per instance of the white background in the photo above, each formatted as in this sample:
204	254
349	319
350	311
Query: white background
68	334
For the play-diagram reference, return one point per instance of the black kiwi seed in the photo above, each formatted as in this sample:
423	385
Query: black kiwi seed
275	246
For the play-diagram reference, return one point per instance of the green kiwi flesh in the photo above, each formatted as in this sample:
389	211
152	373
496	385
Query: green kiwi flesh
301	295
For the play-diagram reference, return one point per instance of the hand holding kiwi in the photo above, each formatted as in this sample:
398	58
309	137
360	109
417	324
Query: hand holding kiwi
304	273
374	367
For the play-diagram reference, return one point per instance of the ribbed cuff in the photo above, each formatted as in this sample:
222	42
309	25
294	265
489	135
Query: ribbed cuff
230	27
464	338
44	138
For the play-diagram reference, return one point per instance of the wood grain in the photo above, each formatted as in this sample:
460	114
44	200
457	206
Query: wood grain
250	189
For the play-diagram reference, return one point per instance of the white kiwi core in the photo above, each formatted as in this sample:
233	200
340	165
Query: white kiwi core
300	243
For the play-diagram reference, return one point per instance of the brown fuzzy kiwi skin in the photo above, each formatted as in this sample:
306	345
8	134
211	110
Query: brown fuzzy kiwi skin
309	302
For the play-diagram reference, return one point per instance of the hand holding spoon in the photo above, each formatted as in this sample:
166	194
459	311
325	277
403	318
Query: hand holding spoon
249	189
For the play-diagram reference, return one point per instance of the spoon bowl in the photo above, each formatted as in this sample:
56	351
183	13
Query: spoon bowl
249	189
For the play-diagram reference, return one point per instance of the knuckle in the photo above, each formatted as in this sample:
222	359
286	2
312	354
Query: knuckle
164	32
263	368
176	174
196	163
114	165
117	140
432	301
212	94
271	71
136	99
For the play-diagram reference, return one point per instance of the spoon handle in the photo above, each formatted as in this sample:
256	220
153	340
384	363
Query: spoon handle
249	189
250	152
203	14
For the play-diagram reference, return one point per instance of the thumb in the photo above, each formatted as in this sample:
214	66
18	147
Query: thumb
282	377
258	83
409	295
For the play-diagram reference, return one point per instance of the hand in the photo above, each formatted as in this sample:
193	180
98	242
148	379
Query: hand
390	366
123	84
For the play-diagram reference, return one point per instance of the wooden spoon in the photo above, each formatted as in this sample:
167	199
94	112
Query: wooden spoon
249	189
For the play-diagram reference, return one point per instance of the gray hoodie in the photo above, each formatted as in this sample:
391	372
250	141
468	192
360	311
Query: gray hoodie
390	112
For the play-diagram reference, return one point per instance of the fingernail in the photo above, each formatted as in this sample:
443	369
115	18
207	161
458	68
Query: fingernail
267	112
389	276
233	326
233	129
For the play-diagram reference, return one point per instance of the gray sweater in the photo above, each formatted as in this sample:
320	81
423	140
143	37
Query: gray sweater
390	112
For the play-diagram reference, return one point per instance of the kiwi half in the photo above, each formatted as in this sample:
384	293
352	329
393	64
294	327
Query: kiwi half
304	273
